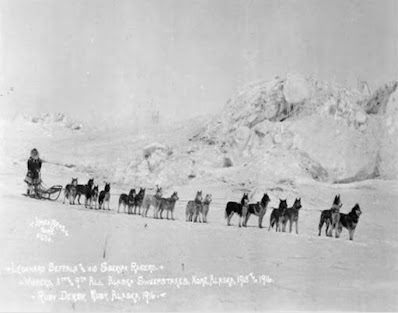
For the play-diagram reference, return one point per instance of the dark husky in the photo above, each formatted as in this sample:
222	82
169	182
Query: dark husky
168	204
349	221
104	196
239	208
84	190
258	209
292	215
89	189
70	191
152	200
127	201
277	216
193	208
139	198
94	197
330	217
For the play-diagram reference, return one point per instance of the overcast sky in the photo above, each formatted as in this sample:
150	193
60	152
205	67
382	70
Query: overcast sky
110	58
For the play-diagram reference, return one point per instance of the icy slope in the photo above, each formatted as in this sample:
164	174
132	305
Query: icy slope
334	134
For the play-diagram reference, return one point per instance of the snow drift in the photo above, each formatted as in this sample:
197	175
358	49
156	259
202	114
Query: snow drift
50	120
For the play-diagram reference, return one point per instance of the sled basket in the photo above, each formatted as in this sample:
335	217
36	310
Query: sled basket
48	193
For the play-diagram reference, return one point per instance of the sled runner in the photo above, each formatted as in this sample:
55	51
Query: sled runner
46	193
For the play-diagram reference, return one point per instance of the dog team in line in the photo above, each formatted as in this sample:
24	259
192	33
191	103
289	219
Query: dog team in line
198	209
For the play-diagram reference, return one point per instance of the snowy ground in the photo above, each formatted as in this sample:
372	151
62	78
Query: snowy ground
308	272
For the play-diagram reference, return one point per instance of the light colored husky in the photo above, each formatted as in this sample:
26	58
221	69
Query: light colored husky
168	204
193	206
152	200
71	191
205	208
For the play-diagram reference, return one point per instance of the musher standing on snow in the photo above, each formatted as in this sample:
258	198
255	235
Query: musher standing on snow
33	177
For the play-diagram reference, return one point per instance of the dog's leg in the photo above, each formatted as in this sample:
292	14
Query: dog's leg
339	230
351	232
229	218
247	218
260	220
327	228
336	230
290	225
320	226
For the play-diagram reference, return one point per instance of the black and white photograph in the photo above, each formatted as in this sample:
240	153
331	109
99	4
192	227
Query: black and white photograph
198	155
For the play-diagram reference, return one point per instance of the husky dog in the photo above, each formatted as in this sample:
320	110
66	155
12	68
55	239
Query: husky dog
277	216
168	204
152	200
292	215
259	209
70	191
89	189
94	197
127	201
205	207
239	208
139	198
104	196
330	217
84	190
349	221
194	207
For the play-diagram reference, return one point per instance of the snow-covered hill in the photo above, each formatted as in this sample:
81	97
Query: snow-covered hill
314	129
